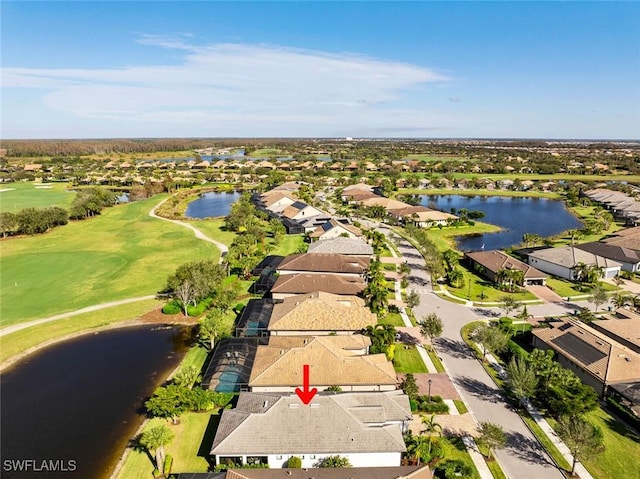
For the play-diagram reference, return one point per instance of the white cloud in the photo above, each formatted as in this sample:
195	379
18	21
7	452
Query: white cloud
246	90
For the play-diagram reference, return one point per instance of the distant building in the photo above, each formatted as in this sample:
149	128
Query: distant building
563	262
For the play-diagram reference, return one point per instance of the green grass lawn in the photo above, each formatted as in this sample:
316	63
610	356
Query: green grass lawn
287	245
453	448
393	319
476	287
436	361
213	228
621	455
195	358
26	195
184	448
444	238
563	288
120	254
20	341
407	360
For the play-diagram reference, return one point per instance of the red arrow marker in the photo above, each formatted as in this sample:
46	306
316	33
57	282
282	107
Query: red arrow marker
305	394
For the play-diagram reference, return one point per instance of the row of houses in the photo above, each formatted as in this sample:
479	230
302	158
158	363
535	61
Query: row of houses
299	217
290	328
623	206
363	195
620	252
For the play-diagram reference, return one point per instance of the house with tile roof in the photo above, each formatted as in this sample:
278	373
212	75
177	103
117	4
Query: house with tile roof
335	229
597	359
324	263
563	262
301	210
340	245
277	201
488	263
319	314
303	283
400	472
267	428
333	361
422	216
627	257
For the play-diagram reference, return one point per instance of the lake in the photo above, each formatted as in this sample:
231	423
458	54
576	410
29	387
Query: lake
212	204
516	216
78	403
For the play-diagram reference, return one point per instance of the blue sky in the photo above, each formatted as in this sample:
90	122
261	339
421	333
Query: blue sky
310	69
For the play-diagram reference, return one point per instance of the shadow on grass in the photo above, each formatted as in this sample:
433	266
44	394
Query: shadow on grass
621	428
527	449
207	440
135	444
480	389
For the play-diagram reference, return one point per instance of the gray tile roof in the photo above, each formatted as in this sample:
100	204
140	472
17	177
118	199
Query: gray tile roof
331	423
345	246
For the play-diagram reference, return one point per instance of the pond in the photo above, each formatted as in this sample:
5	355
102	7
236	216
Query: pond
516	216
212	204
77	403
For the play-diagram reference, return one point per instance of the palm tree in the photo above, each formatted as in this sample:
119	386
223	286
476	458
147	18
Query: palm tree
155	439
431	427
621	300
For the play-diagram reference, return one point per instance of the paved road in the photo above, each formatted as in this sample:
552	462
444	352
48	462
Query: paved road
524	457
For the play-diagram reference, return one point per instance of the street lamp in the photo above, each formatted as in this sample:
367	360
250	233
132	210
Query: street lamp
429	381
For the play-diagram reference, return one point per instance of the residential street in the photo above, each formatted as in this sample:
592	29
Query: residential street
524	457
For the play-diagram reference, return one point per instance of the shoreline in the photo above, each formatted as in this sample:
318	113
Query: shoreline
127	323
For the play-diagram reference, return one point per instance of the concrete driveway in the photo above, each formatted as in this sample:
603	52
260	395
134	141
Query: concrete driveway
524	457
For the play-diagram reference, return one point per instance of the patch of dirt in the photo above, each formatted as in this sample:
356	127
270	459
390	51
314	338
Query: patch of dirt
156	316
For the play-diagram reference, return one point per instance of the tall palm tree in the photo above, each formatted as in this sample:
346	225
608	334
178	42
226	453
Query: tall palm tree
155	439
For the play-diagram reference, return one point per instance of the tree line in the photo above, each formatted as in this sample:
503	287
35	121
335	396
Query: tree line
31	221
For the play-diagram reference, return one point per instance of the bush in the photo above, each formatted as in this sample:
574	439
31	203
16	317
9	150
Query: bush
172	307
453	469
168	462
294	462
433	407
619	410
413	404
200	308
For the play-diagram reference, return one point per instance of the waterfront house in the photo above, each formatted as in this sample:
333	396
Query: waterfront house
366	428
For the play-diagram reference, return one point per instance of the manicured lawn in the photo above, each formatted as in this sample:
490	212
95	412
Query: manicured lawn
453	448
213	229
563	288
25	339
621	455
195	358
462	409
476	287
184	448
436	361
120	254
407	360
393	319
26	195
287	245
445	238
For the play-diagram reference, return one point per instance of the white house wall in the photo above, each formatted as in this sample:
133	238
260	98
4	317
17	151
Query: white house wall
551	268
378	459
